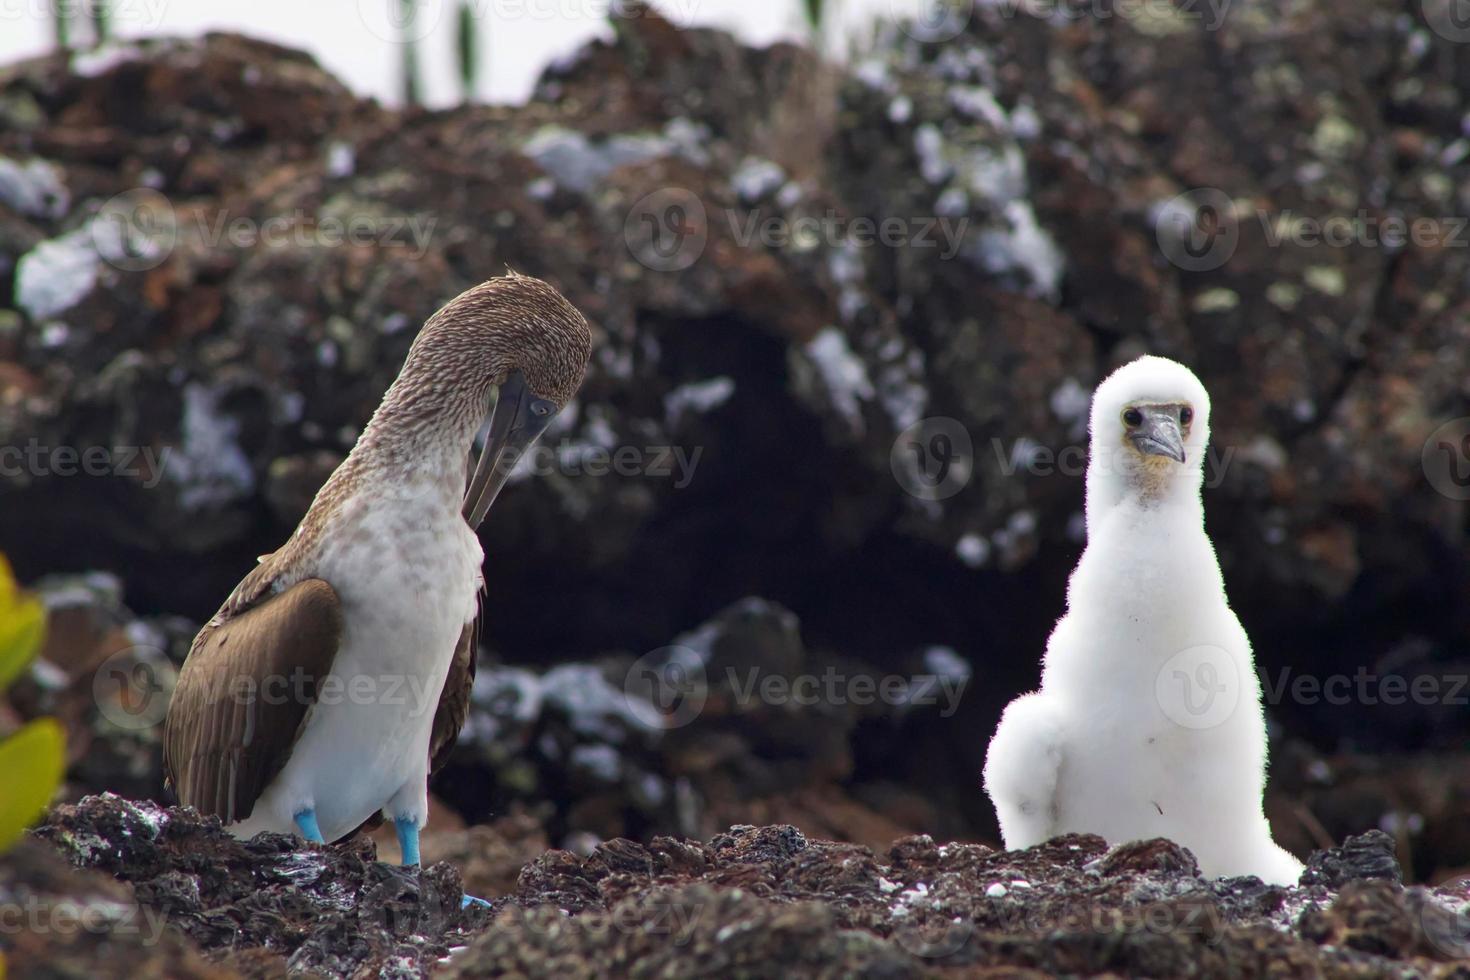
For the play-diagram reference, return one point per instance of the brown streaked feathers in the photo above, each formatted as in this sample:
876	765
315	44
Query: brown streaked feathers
244	693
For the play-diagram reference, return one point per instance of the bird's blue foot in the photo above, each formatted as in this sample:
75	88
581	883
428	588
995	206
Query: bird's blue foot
472	900
306	823
408	840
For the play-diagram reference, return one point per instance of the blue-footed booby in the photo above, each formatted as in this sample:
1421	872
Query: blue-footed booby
1148	722
334	679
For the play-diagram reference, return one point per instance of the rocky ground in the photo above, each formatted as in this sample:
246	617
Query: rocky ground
156	892
765	527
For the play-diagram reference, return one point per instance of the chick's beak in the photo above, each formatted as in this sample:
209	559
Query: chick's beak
1159	435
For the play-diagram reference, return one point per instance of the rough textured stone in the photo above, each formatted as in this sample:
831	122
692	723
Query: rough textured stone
753	901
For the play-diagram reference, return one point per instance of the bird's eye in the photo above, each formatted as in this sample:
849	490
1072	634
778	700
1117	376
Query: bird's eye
540	408
1186	415
1132	417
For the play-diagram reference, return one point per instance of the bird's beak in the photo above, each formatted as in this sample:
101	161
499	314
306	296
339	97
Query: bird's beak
1159	434
517	419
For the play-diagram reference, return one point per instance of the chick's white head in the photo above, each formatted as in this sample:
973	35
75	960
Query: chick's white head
1150	424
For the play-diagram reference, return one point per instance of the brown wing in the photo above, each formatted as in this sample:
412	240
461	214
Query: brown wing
454	700
245	690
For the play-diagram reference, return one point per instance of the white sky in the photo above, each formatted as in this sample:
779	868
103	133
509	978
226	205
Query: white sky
354	39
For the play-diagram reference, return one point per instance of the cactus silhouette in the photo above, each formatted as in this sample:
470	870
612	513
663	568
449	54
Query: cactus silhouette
467	47
409	65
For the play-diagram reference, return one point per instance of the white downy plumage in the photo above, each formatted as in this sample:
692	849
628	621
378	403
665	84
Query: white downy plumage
1148	722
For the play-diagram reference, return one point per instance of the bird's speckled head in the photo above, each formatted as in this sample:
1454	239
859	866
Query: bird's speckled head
512	323
1150	425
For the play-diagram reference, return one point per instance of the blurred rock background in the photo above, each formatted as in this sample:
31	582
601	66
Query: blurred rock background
214	334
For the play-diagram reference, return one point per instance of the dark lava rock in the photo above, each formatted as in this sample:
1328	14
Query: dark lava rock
326	910
753	901
1367	856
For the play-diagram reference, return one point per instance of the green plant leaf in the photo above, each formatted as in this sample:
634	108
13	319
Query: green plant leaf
33	760
22	626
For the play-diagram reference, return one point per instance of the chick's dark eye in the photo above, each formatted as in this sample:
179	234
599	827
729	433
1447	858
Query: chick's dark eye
1132	417
1186	415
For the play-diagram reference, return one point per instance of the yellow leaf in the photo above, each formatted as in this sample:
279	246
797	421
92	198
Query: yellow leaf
33	760
22	627
7	583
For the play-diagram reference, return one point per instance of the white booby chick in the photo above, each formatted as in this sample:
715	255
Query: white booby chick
1148	722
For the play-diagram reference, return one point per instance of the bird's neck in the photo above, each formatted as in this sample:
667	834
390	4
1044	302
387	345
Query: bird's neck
421	434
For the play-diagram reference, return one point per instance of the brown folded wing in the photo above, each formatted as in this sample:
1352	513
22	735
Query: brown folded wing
454	700
245	690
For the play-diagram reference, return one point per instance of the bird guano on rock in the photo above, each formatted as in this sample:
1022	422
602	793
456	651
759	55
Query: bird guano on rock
1148	722
335	678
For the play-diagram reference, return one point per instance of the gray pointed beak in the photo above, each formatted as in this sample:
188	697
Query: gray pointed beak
1159	435
517	419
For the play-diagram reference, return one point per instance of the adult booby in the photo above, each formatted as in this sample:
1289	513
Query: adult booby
336	676
1148	722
